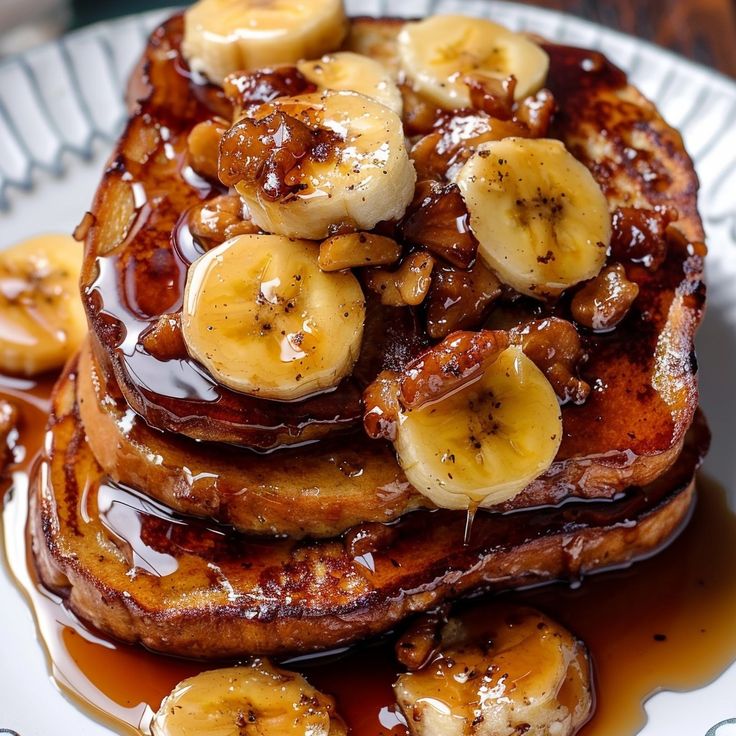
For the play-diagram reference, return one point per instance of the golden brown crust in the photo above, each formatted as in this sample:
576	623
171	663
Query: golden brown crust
143	575
317	493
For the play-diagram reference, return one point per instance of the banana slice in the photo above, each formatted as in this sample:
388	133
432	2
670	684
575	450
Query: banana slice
263	318
256	698
42	321
500	671
345	70
316	164
485	439
440	53
541	220
224	36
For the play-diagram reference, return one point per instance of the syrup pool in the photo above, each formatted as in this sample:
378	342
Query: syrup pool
665	623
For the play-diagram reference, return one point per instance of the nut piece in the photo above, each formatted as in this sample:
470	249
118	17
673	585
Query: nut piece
605	300
407	286
219	219
459	300
536	113
493	96
438	220
554	346
639	235
164	340
382	409
444	368
203	144
421	640
354	250
248	89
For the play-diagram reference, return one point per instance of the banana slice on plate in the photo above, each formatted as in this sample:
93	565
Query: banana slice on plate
440	53
316	164
540	218
487	437
503	670
256	698
224	36
263	318
345	70
42	321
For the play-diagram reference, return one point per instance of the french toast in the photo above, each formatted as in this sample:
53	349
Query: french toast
143	574
323	517
642	373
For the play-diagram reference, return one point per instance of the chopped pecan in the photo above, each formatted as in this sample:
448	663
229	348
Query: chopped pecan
535	112
605	300
639	235
493	96
353	250
381	406
421	641
459	300
219	219
203	145
408	285
438	220
165	340
440	153
458	359
249	89
266	153
554	346
420	115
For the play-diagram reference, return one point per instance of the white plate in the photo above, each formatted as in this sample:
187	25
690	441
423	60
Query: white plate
60	110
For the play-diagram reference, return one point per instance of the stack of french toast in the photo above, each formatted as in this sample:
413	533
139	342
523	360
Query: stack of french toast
381	313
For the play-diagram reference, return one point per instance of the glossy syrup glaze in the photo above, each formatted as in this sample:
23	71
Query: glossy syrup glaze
665	623
135	269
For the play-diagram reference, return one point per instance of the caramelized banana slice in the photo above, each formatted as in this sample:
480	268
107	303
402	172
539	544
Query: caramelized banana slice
316	164
345	70
479	421
42	321
541	220
441	54
502	672
256	698
223	36
264	319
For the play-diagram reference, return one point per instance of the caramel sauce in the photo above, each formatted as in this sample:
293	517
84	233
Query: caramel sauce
665	623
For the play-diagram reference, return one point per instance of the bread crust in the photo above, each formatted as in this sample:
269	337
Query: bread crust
643	374
142	574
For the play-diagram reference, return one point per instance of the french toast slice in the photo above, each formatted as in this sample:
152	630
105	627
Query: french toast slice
142	574
337	484
643	373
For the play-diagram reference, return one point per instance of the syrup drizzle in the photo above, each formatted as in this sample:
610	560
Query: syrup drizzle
665	623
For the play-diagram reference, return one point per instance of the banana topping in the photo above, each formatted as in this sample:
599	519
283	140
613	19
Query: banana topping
263	318
42	321
256	698
499	672
346	70
444	54
541	220
316	164
478	421
223	36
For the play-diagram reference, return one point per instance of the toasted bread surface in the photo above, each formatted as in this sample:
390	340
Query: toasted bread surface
642	373
143	574
318	492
